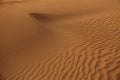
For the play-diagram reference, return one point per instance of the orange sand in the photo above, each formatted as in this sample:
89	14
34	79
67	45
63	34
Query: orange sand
59	40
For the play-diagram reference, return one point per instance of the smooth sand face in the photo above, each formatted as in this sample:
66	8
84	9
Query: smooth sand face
59	40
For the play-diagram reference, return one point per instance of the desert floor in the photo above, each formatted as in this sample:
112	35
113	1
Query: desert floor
59	40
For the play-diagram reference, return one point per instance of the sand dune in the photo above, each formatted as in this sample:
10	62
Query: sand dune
60	40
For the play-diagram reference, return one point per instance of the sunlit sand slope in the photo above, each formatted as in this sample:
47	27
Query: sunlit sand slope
74	44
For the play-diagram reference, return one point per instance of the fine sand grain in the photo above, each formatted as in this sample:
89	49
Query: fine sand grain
59	40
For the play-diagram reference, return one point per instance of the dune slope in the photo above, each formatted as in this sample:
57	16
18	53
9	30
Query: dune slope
60	40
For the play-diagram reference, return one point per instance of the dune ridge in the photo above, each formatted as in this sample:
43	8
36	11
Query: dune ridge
64	46
97	58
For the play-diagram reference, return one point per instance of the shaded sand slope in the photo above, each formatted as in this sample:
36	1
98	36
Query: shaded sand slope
39	43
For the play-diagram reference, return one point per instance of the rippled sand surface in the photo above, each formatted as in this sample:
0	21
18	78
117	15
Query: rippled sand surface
59	40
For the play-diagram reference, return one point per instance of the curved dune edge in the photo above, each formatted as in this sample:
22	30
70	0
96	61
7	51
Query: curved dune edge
96	59
88	48
10	1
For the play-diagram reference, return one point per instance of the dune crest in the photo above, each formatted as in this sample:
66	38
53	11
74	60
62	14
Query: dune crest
10	1
60	40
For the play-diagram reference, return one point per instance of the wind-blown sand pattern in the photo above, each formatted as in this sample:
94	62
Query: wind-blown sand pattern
60	40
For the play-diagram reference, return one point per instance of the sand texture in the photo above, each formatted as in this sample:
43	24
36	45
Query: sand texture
59	40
